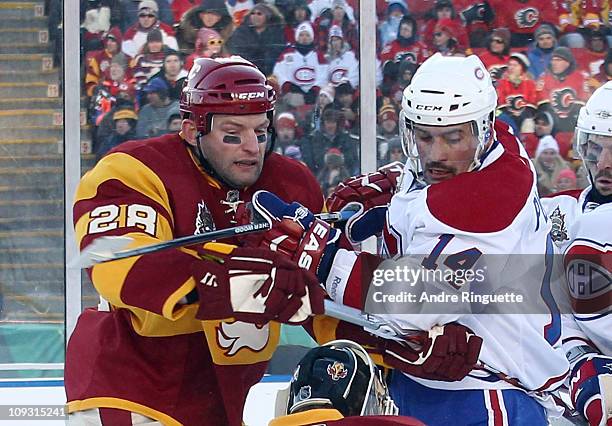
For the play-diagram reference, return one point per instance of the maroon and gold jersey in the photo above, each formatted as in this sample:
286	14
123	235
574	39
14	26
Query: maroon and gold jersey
149	354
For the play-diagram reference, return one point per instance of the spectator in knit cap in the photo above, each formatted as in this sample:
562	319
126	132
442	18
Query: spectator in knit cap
445	39
532	132
561	90
335	15
173	74
548	165
135	37
388	29
597	49
98	63
296	13
342	64
496	56
540	52
333	171
444	10
260	37
211	14
153	117
130	9
347	102
209	44
516	91
405	46
150	61
300	71
566	180
387	131
286	132
124	129
294	151
325	99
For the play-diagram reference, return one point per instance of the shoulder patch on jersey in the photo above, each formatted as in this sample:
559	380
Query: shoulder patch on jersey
487	200
558	232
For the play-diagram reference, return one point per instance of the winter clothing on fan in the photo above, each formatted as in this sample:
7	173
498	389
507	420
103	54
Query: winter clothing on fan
192	21
405	48
137	35
496	60
342	64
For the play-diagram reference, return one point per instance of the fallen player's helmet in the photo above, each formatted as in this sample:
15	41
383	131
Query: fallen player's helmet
340	375
447	91
225	86
595	118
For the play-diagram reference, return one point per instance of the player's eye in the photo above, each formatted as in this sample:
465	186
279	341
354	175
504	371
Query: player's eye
262	137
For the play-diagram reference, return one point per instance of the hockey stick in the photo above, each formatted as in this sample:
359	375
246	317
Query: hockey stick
109	248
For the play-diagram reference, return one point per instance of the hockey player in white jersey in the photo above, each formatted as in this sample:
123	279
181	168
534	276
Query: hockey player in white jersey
581	222
479	199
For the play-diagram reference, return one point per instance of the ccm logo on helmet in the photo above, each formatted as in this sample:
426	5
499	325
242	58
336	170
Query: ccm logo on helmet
429	107
313	244
248	95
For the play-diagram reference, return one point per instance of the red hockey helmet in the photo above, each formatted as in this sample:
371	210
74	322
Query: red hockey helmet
225	86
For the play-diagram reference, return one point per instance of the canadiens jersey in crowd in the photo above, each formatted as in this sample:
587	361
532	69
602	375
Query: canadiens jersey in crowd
331	417
153	190
581	228
490	213
305	71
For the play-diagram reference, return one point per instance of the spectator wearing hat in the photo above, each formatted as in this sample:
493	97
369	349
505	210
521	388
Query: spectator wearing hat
124	129
590	59
174	123
389	28
98	62
523	17
516	91
387	131
478	17
605	73
209	44
406	46
566	180
151	60
395	82
320	7
347	102
533	130
336	15
300	70
118	85
342	64
444	10
562	91
540	52
333	172
445	39
95	22
211	14
260	37
286	132
495	58
330	135
173	74
136	36
130	10
548	164
294	15
153	117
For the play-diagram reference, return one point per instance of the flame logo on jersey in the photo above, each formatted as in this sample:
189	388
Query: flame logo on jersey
527	18
563	100
237	335
516	104
558	232
337	371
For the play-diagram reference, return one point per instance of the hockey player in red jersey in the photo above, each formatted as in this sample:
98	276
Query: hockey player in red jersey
337	384
175	339
581	228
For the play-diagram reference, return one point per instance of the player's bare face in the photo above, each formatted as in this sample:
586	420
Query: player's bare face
598	160
234	147
445	151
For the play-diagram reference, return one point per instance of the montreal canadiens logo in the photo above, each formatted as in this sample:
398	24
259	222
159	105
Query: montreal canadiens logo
337	75
304	75
479	73
527	18
337	371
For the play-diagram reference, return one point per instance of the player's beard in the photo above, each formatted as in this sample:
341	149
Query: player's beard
604	188
441	172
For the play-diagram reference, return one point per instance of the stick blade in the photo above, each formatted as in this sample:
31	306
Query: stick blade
102	249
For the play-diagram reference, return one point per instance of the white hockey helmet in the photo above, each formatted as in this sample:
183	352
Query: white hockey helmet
445	91
595	118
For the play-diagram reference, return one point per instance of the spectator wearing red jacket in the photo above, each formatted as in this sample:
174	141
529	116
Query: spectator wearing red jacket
516	92
562	90
446	40
604	75
590	59
406	46
496	56
98	62
336	15
444	10
522	17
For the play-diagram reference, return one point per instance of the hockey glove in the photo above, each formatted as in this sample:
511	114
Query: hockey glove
254	285
446	353
369	195
591	389
296	233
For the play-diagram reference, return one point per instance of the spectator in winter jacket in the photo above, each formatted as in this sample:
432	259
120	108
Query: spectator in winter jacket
130	10
597	47
209	44
260	37
153	117
211	14
342	65
388	29
548	164
333	171
98	62
540	52
296	14
286	132
445	39
173	74
135	37
496	56
335	15
124	129
150	61
300	70
516	92
605	73
406	45
444	10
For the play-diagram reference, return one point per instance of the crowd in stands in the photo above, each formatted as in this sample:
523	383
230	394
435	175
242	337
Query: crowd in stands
544	57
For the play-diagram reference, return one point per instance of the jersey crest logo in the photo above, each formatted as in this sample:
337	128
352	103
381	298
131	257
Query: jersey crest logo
337	371
338	75
558	232
563	100
527	18
516	103
304	393
237	335
204	221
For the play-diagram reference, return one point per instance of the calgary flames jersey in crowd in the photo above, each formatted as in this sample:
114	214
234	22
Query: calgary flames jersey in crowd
565	96
516	97
523	17
195	372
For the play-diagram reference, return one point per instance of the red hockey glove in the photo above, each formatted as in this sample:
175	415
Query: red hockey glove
254	285
446	353
296	233
591	389
369	196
